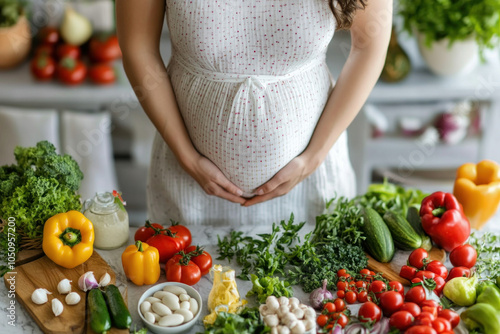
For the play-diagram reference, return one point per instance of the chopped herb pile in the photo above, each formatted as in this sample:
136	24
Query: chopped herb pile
246	322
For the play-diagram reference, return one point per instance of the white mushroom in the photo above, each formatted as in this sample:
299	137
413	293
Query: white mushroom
283	310
309	313
283	300
271	320
263	309
299	328
289	320
272	303
283	330
294	301
299	313
310	324
274	330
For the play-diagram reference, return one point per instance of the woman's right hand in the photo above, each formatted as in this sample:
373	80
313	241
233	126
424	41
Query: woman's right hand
213	181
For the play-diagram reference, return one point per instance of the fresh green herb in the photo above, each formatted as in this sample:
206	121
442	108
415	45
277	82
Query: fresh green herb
10	11
143	330
267	286
246	322
487	246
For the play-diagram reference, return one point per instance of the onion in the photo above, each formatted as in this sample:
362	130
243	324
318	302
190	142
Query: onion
76	29
337	329
381	327
317	296
357	329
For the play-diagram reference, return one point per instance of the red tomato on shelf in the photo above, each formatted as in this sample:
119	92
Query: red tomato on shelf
68	50
102	74
48	35
43	68
71	71
104	48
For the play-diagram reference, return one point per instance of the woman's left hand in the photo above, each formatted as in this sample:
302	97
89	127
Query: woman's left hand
284	181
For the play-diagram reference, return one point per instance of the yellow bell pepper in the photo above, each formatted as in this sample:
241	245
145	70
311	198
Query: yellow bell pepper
68	239
477	188
141	263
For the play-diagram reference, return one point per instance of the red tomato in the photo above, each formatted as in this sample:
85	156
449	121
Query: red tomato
441	325
104	48
458	272
68	50
398	287
102	74
418	258
363	296
415	295
429	309
431	303
322	320
339	304
43	67
390	302
360	284
407	272
147	231
71	71
200	257
369	312
401	320
180	269
377	287
341	319
413	308
330	307
463	256
351	297
423	322
341	285
440	282
428	315
166	244
451	316
424	273
341	294
421	330
437	268
44	50
365	272
182	232
48	35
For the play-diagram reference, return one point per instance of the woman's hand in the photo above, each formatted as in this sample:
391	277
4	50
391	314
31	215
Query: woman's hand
284	181
213	181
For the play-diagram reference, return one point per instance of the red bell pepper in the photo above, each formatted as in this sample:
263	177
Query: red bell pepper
444	221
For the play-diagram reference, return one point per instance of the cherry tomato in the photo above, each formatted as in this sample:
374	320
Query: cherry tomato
322	320
408	272
429	309
48	35
451	316
390	302
401	320
343	273
369	312
351	297
424	273
428	315
180	269
363	296
341	285
351	286
365	272
102	74
463	256
330	307
200	257
415	295
413	308
67	50
166	244
423	322
441	325
458	272
44	50
440	283
360	284
420	330
145	232
43	67
431	303
377	287
418	258
437	268
398	287
104	48
339	304
341	319
341	294
71	71
182	232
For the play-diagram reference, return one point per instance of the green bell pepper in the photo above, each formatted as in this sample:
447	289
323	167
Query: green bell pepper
482	317
461	290
498	281
483	285
490	295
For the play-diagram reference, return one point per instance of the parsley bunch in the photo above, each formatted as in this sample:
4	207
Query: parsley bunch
487	247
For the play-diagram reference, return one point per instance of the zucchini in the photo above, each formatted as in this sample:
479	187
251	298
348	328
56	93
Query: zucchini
413	217
378	243
98	315
120	315
402	232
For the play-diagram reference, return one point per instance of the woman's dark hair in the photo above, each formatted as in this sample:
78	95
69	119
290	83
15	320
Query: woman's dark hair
345	10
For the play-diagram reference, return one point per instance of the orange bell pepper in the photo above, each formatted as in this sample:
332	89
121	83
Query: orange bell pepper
141	263
477	188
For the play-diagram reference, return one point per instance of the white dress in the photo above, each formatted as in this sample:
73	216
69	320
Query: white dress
251	82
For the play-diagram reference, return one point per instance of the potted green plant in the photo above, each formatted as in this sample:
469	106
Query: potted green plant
452	33
15	33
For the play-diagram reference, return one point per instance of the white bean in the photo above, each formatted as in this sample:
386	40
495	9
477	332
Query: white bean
176	290
184	297
157	316
193	306
161	309
171	320
145	307
159	294
149	317
271	320
283	300
152	300
185	305
171	300
185	313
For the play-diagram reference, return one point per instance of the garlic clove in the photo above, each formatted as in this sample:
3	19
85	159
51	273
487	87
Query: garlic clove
64	286
39	296
57	307
105	280
72	298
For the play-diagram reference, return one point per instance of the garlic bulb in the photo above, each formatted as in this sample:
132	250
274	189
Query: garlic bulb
105	279
39	296
72	298
87	281
64	286
75	28
57	307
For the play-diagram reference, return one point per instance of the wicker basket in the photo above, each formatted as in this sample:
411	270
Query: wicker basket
26	242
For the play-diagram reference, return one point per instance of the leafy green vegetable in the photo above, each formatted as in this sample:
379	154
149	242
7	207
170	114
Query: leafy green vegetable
246	322
10	11
487	246
41	185
267	286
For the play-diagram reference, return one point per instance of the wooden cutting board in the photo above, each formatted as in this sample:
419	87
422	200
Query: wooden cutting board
43	273
391	270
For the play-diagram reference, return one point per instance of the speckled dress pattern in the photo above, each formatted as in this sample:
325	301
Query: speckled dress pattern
251	82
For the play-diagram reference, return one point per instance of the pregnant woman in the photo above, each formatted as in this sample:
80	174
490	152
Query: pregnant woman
250	124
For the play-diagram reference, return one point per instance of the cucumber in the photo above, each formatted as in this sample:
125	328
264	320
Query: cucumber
120	316
378	243
413	217
402	232
98	315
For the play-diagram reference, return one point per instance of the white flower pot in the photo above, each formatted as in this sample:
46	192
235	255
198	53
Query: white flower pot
459	58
